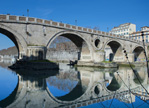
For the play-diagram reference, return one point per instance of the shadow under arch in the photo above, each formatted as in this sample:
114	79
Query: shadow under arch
138	53
83	45
113	48
114	85
15	37
10	99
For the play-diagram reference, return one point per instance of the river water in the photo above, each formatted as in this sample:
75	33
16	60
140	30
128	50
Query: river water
72	87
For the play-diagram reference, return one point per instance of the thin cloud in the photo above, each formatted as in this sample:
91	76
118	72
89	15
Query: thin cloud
44	13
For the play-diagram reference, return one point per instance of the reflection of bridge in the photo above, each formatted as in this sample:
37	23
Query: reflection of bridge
32	92
33	36
142	93
7	59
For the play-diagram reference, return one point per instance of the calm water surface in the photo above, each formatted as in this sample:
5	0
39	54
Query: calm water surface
74	87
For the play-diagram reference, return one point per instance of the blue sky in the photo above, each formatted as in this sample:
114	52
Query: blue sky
88	13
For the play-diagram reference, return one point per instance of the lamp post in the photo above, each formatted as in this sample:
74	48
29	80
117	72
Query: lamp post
27	12
76	22
142	34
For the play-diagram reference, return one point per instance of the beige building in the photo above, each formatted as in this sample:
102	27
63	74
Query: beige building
138	35
124	29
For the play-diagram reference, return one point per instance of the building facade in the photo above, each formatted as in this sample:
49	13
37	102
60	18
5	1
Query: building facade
138	35
124	29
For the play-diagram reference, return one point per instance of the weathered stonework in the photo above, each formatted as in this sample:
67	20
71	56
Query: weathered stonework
29	33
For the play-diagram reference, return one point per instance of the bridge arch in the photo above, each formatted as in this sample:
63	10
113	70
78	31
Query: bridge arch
75	93
114	85
113	51
82	44
16	38
138	52
87	87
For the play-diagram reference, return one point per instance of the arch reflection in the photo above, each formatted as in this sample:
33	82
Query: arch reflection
32	90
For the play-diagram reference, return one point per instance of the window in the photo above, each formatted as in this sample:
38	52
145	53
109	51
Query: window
146	40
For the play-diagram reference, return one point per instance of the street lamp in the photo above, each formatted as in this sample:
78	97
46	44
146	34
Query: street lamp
27	12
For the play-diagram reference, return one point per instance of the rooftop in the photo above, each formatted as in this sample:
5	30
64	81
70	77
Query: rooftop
122	25
145	27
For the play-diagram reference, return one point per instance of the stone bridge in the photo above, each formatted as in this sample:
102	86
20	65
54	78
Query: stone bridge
33	92
32	37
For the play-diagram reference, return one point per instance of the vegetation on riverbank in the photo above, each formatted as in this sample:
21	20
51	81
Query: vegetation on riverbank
126	65
106	61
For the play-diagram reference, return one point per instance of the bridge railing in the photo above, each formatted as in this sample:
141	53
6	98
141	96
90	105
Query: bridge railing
97	100
23	19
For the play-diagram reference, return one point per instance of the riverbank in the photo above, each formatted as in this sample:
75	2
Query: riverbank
135	64
54	65
106	64
89	64
35	65
100	64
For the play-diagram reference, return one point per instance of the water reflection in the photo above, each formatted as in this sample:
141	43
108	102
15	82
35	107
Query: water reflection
64	81
74	87
8	82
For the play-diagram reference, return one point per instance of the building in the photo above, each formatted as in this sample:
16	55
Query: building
124	29
138	35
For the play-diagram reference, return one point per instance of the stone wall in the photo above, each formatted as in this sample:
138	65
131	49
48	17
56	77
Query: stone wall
62	55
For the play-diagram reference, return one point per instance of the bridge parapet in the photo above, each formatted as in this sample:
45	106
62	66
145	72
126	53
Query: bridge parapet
30	20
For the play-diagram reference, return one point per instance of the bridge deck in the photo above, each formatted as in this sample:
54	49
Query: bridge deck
30	20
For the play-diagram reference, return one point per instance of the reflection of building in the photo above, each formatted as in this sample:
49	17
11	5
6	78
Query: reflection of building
8	58
142	93
128	98
124	29
145	97
137	35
